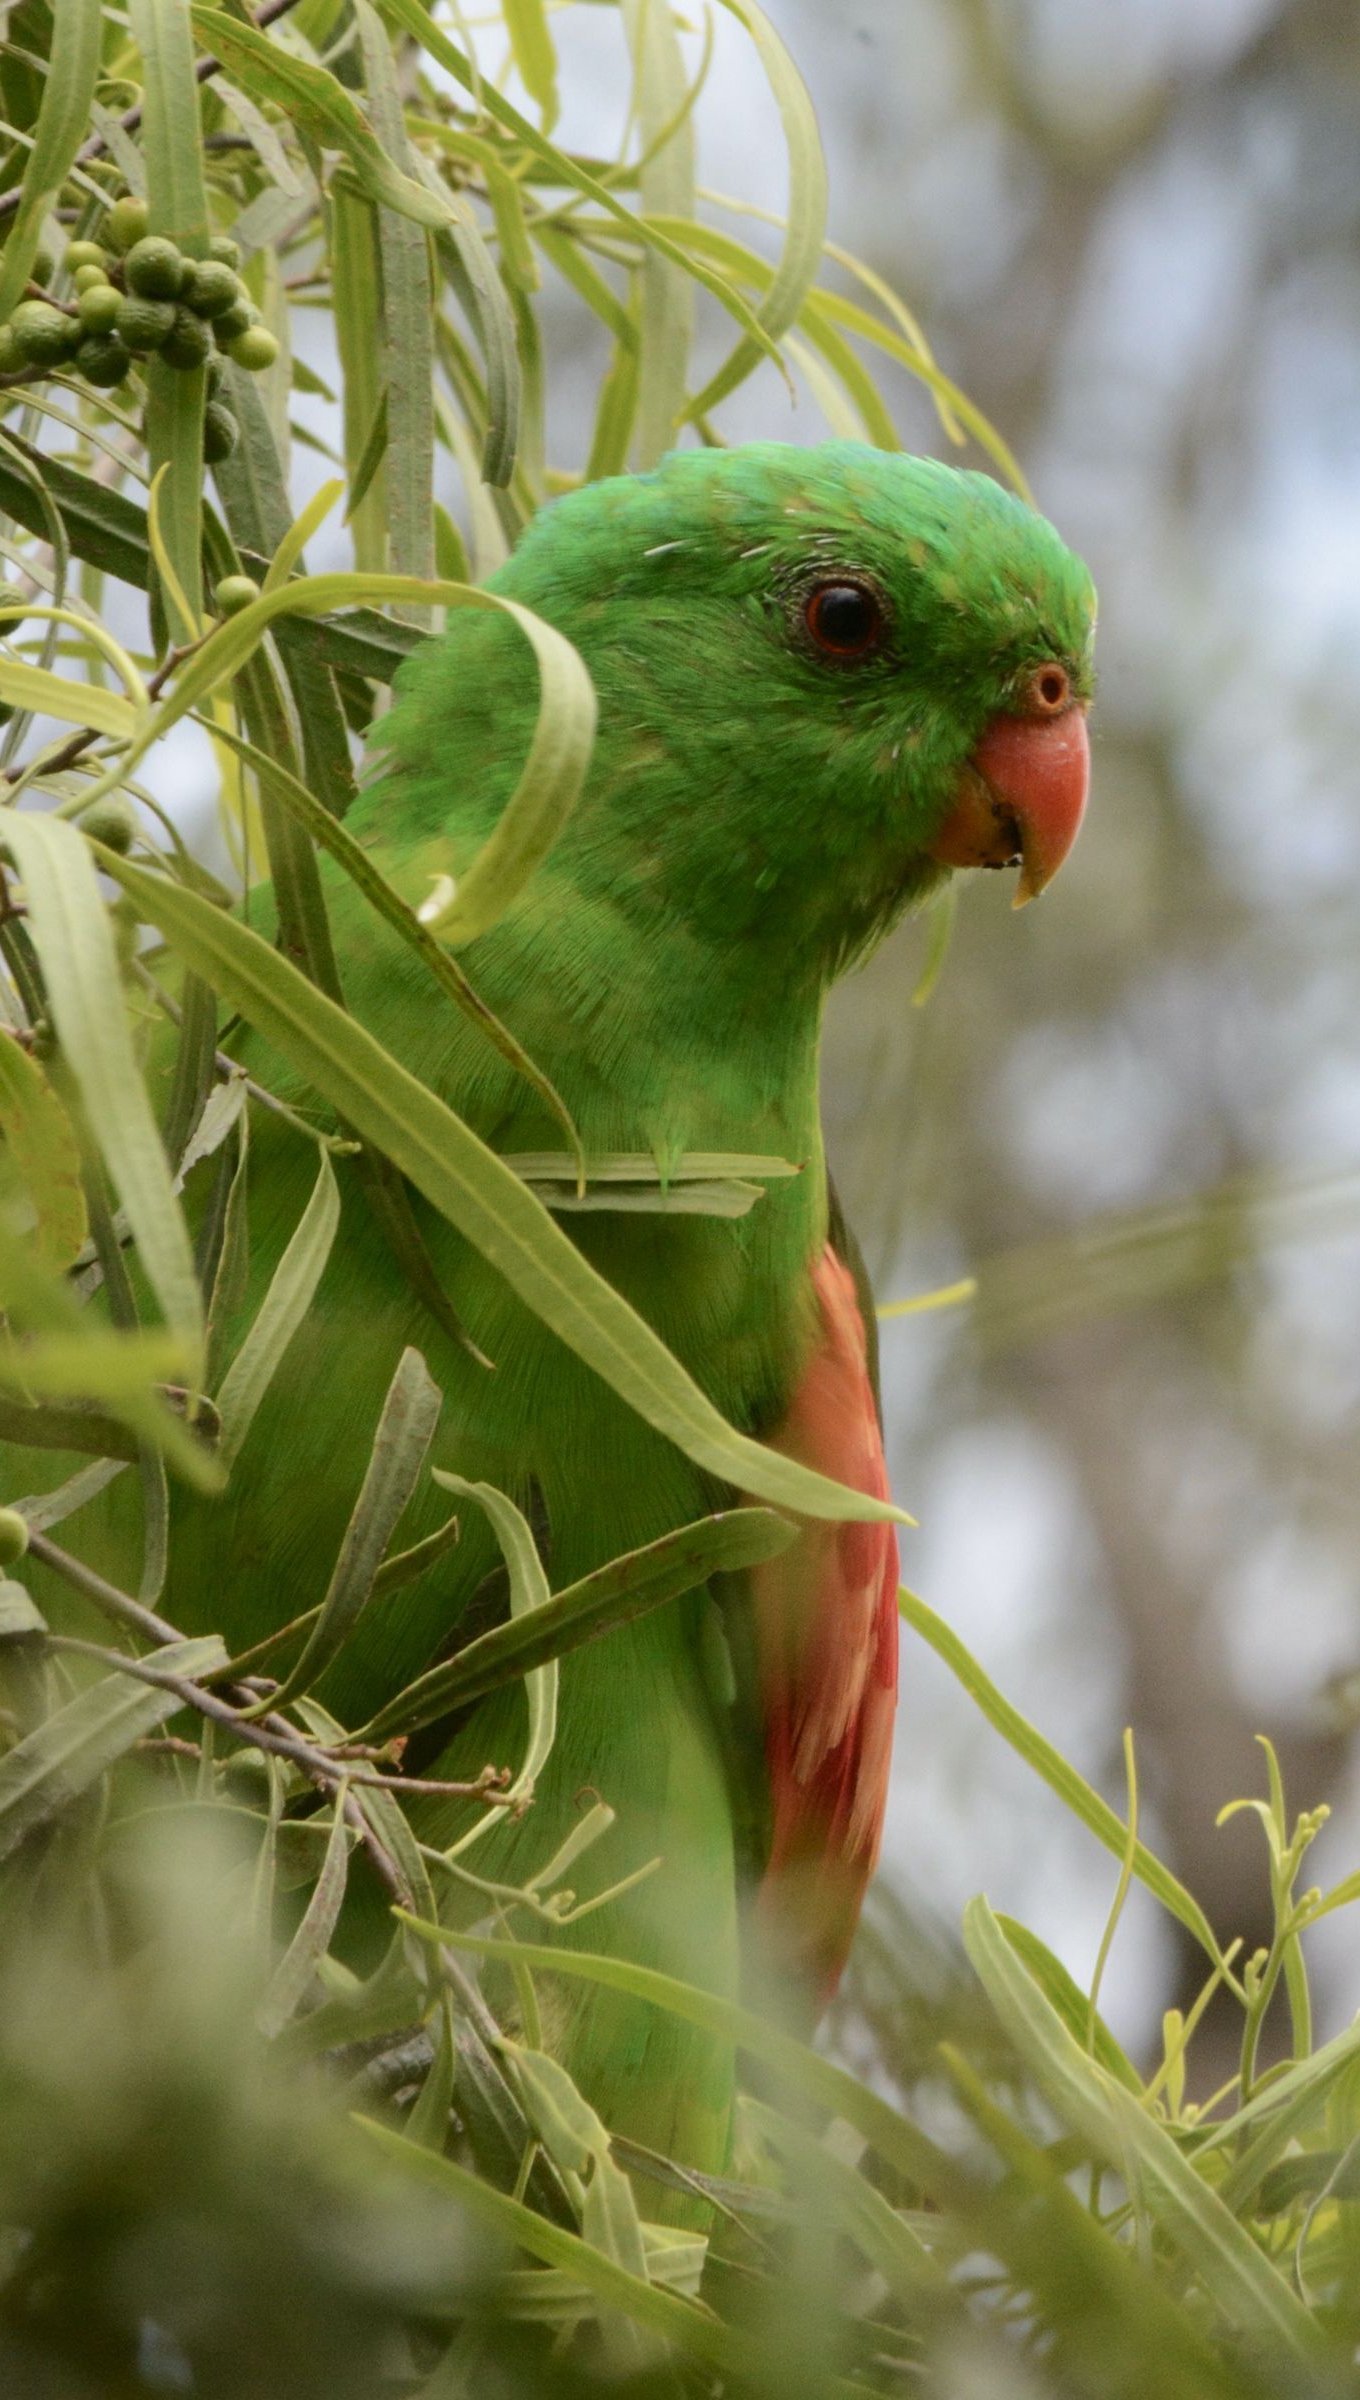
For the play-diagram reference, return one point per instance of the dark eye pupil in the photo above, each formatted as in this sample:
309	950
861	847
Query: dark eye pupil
843	617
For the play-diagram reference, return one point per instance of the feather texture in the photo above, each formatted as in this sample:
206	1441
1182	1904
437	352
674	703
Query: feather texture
826	1639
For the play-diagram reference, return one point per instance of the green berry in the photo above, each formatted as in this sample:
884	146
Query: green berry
112	821
155	269
10	358
225	250
86	254
188	342
212	288
221	433
99	307
237	319
217	368
126	223
45	334
12	597
255	349
91	279
234	593
143	325
42	267
13	1537
103	360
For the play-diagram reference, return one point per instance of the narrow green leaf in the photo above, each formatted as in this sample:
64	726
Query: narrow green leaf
528	1596
42	1510
291	1977
526	22
71	703
330	835
564	2122
70	928
415	19
483	297
693	2329
1252	2294
372	455
388	2001
175	190
175	403
559	752
898	2142
610	2223
63	120
470	1186
177	201
320	107
428	2121
802	254
843	2194
665	188
1065	1995
405	1431
1061	1777
104	528
285	1304
39	1160
62	1757
582	1612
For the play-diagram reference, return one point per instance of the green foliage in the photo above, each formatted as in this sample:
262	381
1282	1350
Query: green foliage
243	2151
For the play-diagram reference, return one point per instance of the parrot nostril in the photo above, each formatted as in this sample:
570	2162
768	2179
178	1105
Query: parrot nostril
1051	690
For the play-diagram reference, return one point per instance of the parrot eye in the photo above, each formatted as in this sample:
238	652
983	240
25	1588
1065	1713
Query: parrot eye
844	619
1050	690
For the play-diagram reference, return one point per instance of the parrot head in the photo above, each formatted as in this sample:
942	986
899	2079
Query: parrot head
826	678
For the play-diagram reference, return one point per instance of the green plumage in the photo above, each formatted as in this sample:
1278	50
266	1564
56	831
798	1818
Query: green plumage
754	820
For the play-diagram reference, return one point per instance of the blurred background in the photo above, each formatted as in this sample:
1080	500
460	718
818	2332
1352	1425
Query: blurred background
1133	1112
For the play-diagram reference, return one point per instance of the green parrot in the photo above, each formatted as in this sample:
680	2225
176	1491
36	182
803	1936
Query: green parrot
826	678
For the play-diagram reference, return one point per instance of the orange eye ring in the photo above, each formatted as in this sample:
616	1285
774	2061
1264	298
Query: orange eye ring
844	618
1050	690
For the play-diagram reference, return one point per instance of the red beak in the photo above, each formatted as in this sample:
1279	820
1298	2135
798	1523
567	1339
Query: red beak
1020	799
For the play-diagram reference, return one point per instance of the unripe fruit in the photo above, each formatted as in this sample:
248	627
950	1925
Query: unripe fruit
255	349
234	593
221	433
42	267
112	821
13	1537
99	307
142	325
224	249
155	268
86	254
188	342
92	279
236	319
212	288
217	367
126	223
11	360
43	333
12	597
103	360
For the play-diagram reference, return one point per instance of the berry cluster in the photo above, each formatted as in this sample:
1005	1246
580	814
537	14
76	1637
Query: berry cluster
136	293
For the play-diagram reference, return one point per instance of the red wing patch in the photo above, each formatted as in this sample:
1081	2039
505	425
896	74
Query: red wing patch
826	1635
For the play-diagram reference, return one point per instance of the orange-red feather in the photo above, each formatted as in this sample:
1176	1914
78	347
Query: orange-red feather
826	1636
